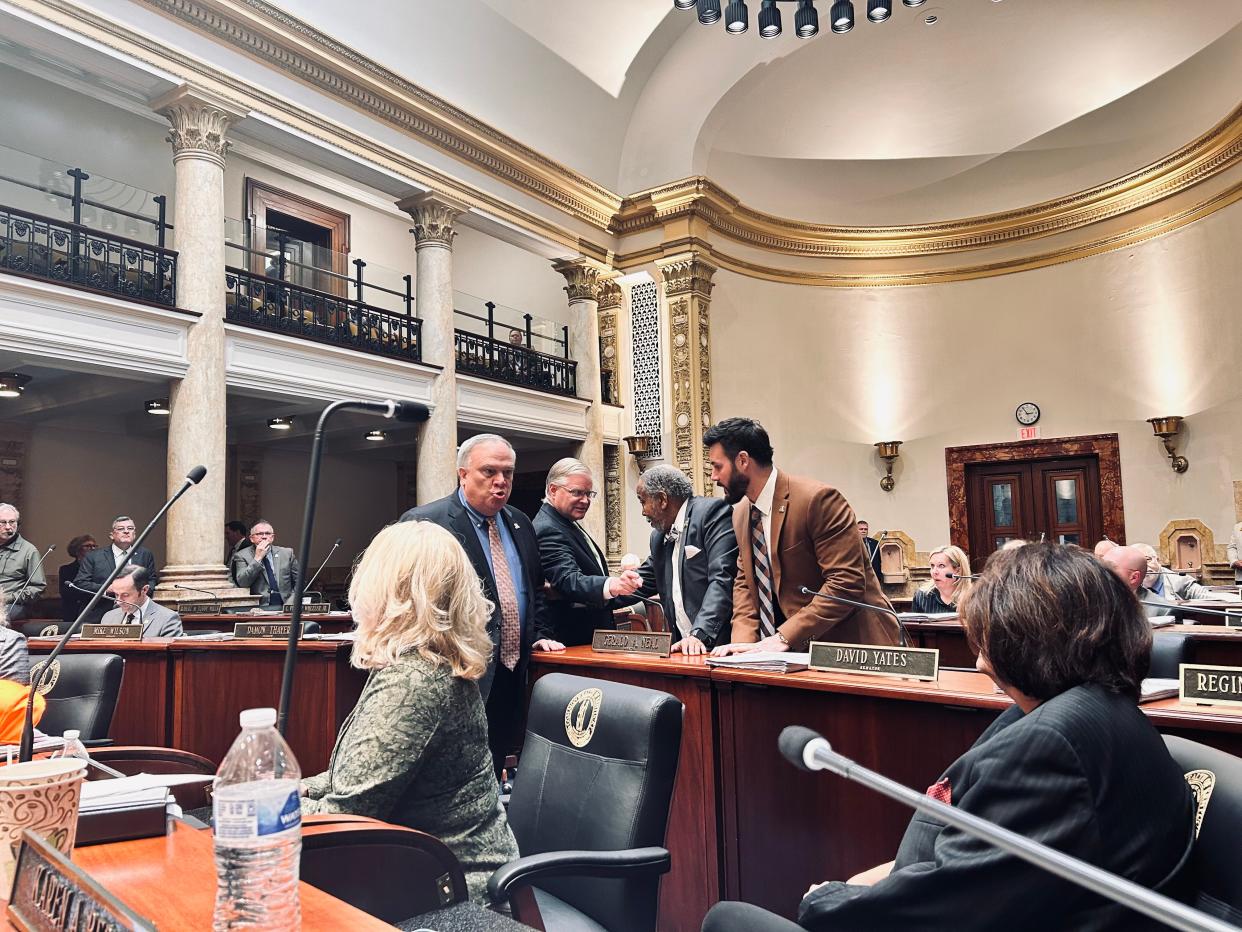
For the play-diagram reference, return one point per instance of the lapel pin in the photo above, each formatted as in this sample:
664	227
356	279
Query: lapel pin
782	509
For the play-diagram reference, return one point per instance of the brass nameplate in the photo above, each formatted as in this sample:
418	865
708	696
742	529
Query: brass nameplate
198	608
309	608
655	643
1207	685
112	632
1234	618
264	629
918	663
50	894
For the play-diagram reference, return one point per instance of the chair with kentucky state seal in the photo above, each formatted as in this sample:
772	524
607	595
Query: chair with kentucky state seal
81	692
590	805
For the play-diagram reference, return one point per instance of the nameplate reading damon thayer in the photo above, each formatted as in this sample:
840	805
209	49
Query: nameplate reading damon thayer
264	629
112	632
655	643
1205	685
916	663
51	895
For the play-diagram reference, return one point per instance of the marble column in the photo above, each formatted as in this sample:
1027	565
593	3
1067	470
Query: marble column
583	281
688	298
196	427
433	215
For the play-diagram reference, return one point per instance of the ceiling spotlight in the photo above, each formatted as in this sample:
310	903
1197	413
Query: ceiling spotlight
157	406
931	19
280	423
709	11
913	3
806	20
842	16
736	17
375	436
12	384
684	4
879	10
769	19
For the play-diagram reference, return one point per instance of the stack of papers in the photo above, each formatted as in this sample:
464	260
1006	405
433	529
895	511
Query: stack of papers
927	616
42	743
765	661
210	636
143	789
1155	688
339	636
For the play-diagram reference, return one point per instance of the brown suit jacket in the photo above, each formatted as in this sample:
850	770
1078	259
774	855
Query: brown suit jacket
815	543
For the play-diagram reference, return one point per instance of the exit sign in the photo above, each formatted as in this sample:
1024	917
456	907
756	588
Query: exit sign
1028	433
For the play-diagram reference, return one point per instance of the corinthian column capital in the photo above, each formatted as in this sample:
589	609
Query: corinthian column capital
433	215
199	122
686	273
583	278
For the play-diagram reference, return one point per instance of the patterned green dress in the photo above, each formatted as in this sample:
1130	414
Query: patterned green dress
414	752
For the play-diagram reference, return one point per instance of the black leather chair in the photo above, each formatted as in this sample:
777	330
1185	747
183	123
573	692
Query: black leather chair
81	692
48	628
743	917
1214	881
590	805
1167	652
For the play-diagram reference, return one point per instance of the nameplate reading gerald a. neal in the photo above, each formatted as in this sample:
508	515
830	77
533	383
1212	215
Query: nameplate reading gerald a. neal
112	632
917	663
264	629
655	643
1208	685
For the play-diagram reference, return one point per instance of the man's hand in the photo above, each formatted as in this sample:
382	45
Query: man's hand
627	583
689	645
260	550
548	644
724	650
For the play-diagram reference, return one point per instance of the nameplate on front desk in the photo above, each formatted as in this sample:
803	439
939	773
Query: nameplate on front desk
198	608
50	894
655	643
1207	685
918	663
264	629
112	632
310	608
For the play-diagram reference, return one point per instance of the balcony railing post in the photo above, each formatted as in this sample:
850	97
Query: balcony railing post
491	335
528	319
359	264
409	294
565	332
161	223
75	254
282	262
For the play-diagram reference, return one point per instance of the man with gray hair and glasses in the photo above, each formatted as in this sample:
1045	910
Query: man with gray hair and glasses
21	577
584	593
693	559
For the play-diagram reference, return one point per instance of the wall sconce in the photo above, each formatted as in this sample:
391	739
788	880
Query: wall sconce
1167	429
638	447
888	452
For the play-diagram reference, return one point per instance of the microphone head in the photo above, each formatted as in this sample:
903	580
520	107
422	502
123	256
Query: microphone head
338	542
793	742
51	548
196	474
413	411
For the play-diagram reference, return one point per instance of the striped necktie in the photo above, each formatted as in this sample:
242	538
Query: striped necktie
763	574
506	593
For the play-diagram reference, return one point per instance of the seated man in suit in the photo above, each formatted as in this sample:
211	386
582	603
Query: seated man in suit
132	590
1130	564
1169	585
693	559
267	570
99	564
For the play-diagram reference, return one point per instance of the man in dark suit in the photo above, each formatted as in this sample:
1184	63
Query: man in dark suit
693	559
99	564
583	593
791	532
503	550
872	545
236	539
268	571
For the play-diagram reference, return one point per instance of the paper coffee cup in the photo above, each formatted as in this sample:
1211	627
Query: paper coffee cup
40	796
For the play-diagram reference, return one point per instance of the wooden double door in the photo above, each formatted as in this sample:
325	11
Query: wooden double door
1056	498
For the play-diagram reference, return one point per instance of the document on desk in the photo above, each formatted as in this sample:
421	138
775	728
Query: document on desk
927	616
1154	688
764	661
138	790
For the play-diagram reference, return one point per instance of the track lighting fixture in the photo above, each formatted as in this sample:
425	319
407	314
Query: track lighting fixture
736	17
806	20
769	19
842	17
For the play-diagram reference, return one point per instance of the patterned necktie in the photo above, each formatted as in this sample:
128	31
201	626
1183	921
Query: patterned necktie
763	574
129	618
510	617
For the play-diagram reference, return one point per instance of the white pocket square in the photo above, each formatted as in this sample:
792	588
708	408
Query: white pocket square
692	551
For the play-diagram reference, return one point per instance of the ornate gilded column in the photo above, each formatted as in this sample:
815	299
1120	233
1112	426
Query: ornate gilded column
433	215
688	296
609	348
196	426
582	279
614	506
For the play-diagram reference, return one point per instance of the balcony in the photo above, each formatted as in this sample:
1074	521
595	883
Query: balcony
59	224
519	356
284	285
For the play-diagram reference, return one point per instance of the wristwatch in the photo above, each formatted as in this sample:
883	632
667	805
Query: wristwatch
784	640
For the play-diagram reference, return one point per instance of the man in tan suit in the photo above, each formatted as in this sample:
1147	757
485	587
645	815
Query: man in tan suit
791	532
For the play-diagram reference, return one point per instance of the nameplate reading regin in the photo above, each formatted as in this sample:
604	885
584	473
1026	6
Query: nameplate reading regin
917	663
50	894
310	608
264	629
112	632
1206	685
655	643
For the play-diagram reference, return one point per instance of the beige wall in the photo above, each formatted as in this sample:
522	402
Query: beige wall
1100	344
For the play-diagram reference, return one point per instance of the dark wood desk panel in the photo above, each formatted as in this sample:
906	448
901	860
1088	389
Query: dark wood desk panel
328	624
1187	612
144	706
693	884
213	681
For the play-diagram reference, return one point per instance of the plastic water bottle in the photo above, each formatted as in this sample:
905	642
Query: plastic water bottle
258	830
73	746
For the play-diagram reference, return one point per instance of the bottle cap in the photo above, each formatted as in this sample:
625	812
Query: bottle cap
258	718
72	735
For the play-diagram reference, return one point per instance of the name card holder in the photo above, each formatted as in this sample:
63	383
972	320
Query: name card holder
309	608
912	663
50	894
653	643
274	630
112	632
1201	684
198	608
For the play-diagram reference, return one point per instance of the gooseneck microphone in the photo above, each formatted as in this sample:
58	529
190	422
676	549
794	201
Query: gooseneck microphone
905	635
409	411
808	750
29	578
324	563
26	749
959	576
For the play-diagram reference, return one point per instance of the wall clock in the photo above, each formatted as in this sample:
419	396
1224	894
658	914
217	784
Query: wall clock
1027	413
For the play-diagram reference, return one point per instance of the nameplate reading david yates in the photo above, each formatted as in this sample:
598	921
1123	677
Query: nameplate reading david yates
917	663
655	643
1206	685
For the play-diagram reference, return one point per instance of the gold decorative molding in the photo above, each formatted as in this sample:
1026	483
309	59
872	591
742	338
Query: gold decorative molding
610	300
688	289
614	514
687	274
582	279
199	122
433	215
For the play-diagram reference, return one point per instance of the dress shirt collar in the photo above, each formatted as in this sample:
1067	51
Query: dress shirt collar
679	523
118	554
764	501
480	520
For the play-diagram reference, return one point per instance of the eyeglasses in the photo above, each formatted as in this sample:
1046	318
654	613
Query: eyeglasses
8	521
262	533
578	493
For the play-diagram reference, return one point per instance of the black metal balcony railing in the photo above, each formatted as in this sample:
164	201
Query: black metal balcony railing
514	364
70	253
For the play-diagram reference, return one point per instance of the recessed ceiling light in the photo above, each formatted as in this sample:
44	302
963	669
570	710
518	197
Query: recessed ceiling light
280	423
375	436
913	3
158	406
931	19
12	384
